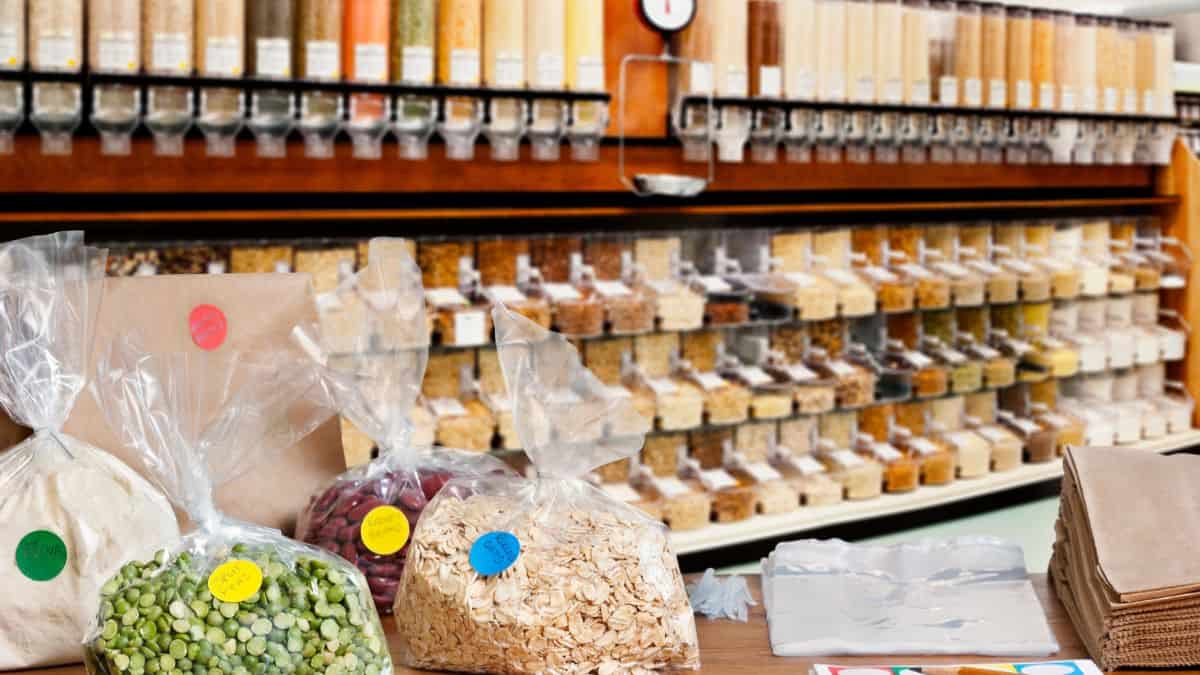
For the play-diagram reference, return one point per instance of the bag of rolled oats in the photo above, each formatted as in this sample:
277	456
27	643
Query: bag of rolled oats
545	574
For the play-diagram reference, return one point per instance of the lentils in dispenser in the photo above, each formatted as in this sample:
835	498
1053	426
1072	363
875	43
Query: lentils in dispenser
936	461
900	472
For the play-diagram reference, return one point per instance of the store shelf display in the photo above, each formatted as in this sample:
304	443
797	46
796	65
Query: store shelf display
951	392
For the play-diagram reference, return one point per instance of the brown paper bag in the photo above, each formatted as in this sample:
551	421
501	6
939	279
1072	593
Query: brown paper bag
259	311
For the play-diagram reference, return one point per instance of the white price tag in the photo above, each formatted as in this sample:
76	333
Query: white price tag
985	352
589	73
878	274
57	50
993	434
1024	94
714	284
118	53
710	381
800	278
737	82
508	295
799	373
885	452
10	55
770	81
864	89
622	492
274	57
321	60
561	292
1130	102
802	85
808	466
510	70
754	376
1148	102
1025	426
612	289
1089	99
973	92
223	57
1066	97
464	67
470	328
445	297
920	93
953	269
700	77
997	94
924	447
1046	96
662	386
671	487
717	479
918	360
955	358
847	459
763	472
370	62
663	287
841	277
841	368
416	65
447	407
548	71
948	91
1112	100
835	87
892	91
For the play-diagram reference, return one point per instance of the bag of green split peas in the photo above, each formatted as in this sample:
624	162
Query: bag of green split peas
312	614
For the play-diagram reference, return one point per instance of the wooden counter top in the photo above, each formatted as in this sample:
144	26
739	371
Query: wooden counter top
733	648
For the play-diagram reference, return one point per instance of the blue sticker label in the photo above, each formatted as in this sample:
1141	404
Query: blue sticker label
494	552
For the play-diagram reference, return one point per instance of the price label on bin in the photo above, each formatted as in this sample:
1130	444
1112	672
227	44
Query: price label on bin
494	552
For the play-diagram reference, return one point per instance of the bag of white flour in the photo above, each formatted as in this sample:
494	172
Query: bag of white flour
70	513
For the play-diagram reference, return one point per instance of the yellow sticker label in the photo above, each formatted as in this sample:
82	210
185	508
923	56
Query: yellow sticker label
235	580
385	530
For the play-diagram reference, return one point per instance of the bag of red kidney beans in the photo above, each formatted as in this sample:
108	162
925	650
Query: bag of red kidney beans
372	337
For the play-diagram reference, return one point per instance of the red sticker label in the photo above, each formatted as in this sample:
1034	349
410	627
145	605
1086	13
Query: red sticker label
208	327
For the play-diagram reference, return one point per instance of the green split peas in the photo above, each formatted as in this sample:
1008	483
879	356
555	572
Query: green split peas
159	617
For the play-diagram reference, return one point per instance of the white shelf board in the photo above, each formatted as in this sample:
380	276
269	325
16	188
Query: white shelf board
805	519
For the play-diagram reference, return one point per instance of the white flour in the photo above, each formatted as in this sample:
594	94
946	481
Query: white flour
105	514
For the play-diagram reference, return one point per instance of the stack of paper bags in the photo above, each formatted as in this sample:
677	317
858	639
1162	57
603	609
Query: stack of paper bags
1127	559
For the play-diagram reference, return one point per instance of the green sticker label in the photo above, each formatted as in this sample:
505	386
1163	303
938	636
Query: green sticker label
41	555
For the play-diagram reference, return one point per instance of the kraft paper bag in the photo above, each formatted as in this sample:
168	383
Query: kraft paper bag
223	312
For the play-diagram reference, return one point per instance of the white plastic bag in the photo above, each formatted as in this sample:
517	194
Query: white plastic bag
549	575
229	597
968	595
70	513
374	341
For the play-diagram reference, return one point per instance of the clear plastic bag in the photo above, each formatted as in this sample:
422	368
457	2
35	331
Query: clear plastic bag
721	598
373	339
545	575
229	597
70	513
967	595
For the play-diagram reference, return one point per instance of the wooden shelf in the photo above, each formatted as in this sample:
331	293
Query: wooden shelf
720	535
387	215
87	171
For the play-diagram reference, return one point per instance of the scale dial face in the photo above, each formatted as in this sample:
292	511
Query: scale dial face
667	16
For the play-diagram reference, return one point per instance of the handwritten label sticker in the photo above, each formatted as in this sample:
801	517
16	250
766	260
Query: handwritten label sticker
494	552
385	530
41	555
208	326
235	580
